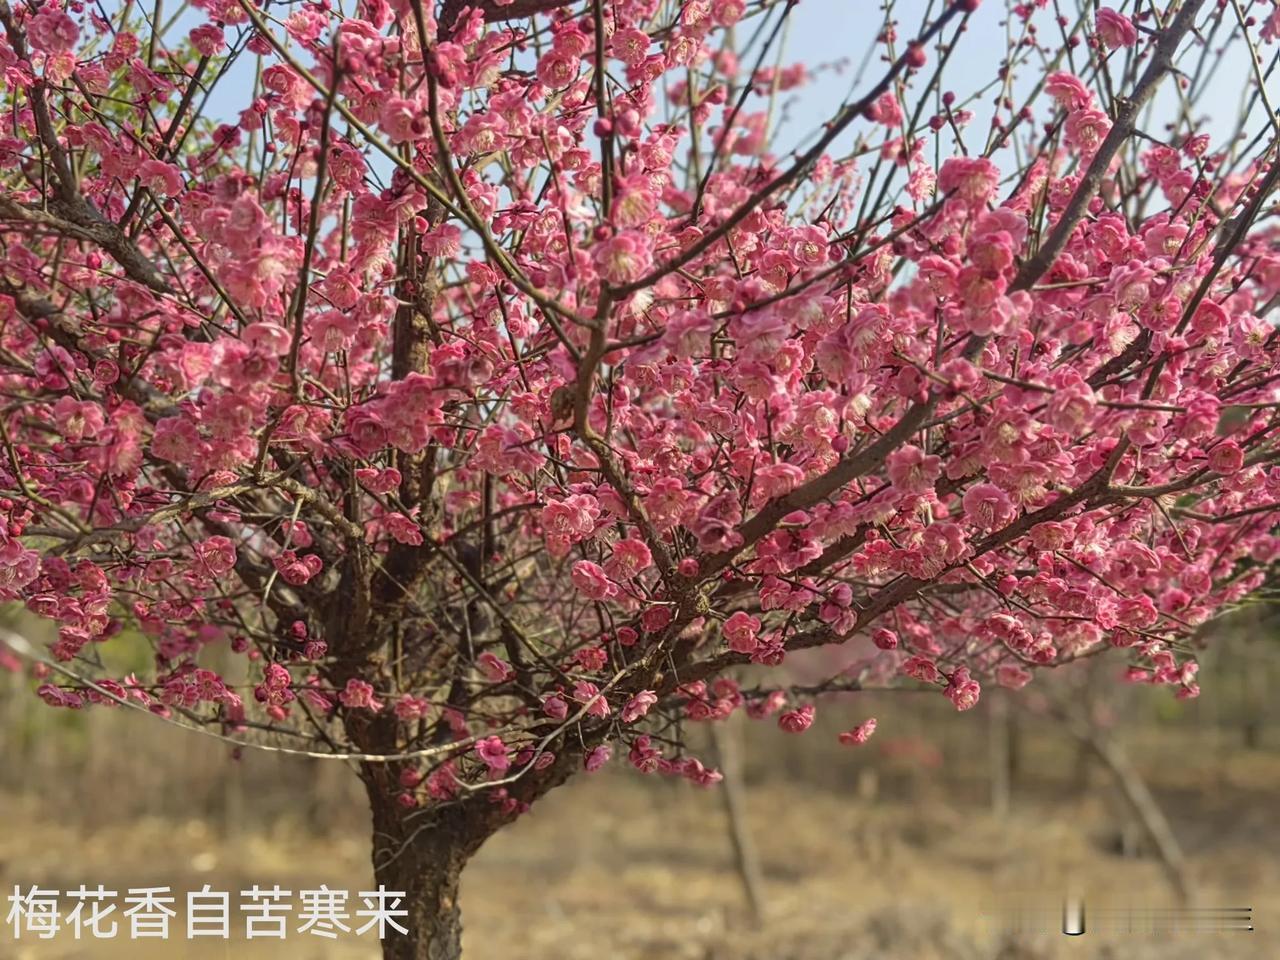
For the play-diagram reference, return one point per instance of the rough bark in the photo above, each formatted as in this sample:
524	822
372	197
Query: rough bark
424	859
423	852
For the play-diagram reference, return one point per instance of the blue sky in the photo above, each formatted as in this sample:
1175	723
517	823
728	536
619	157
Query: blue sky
824	33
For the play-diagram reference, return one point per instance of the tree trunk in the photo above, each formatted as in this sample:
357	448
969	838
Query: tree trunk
431	897
1000	731
1147	810
733	793
423	858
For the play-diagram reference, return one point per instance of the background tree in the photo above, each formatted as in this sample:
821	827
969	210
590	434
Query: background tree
489	383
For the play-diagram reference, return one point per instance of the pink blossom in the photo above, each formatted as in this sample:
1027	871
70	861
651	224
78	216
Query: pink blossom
1012	676
630	46
972	179
988	506
569	521
164	179
592	581
215	556
443	241
592	659
244	225
402	120
912	471
728	12
767	705
629	557
359	695
408	708
1115	30
887	111
555	707
597	757
403	529
638	706
557	69
208	39
589	694
495	669
693	770
643	756
442	783
944	542
106	371
367	432
922	669
778	479
1137	612
809	247
77	419
740	630
655	618
379	481
994	255
493	752
796	721
962	690
57	696
297	570
1086	128
624	257
770	651
715	524
1071	406
884	639
1069	90
52	31
1226	457
859	734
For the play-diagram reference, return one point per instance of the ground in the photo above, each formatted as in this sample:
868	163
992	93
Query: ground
612	867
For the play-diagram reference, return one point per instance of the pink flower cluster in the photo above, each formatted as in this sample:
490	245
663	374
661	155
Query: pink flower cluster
502	424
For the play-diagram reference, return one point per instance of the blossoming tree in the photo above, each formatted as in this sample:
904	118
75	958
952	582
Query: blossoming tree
486	381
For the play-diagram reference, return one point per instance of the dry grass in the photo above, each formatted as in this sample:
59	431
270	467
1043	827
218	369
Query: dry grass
640	872
888	852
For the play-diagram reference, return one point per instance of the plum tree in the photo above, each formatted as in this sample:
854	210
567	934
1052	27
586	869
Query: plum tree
489	380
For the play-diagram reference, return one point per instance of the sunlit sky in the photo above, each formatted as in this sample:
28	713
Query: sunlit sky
827	31
832	39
